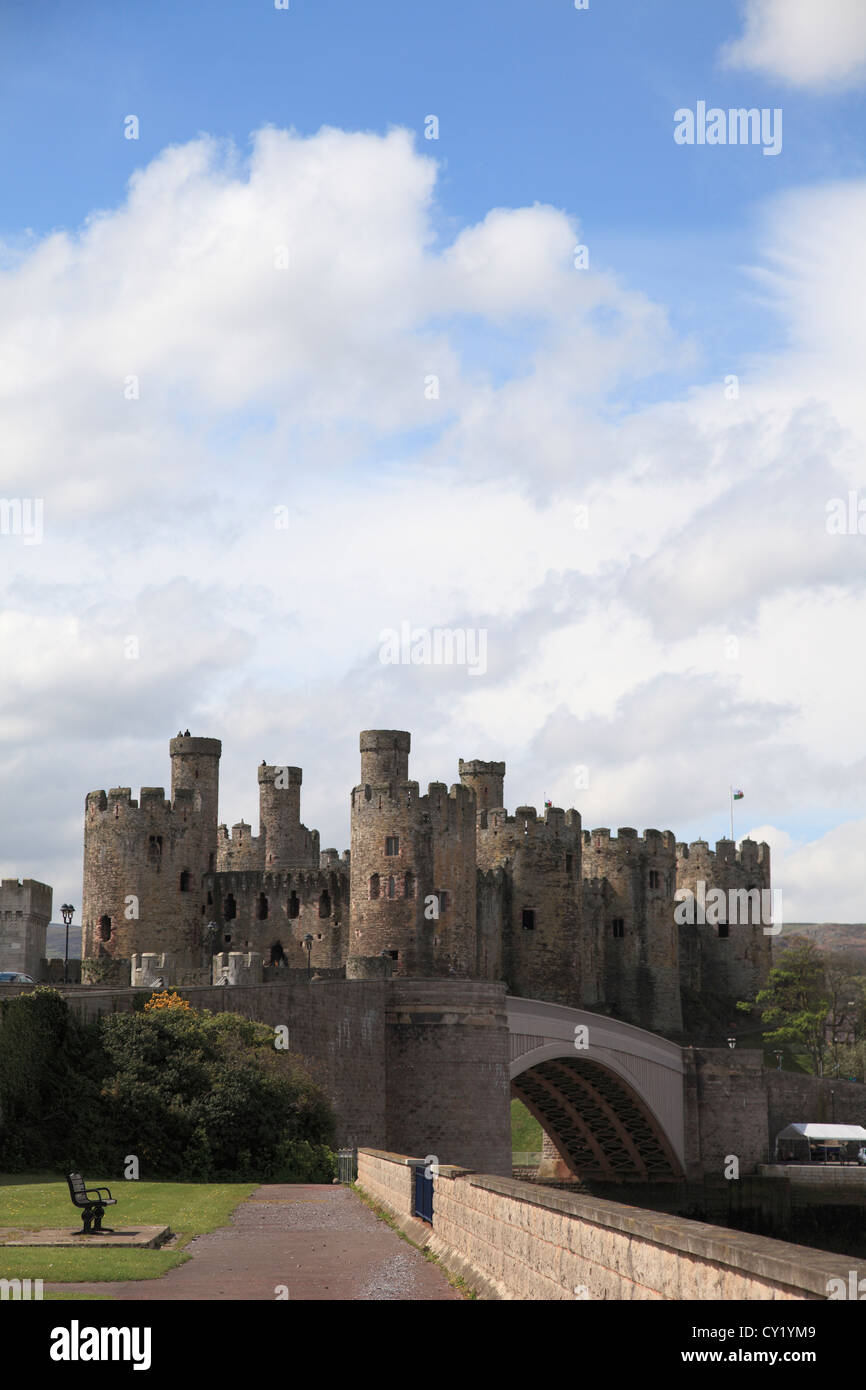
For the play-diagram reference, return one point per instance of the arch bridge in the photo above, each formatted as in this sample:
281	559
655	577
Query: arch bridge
609	1096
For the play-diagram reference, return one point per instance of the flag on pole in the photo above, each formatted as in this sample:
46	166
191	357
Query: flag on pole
738	795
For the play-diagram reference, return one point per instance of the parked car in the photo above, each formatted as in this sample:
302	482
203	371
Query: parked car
15	977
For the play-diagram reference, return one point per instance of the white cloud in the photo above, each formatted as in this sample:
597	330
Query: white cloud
304	387
816	44
823	880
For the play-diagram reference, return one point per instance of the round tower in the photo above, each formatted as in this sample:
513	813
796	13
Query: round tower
280	817
391	861
542	942
384	757
638	933
195	767
486	780
727	935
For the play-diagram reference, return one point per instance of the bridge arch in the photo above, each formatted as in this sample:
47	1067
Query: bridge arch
613	1105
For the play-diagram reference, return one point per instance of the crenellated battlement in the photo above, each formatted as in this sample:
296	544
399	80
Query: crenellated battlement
554	822
151	802
750	854
439	801
628	841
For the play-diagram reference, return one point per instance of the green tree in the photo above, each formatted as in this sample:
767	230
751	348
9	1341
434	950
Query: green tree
206	1095
795	1005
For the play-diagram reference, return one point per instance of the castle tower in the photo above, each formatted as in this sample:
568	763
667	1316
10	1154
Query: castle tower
637	931
287	843
729	958
486	780
195	767
412	867
384	757
145	860
25	913
540	895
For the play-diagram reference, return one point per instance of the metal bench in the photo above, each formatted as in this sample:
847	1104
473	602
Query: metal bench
93	1203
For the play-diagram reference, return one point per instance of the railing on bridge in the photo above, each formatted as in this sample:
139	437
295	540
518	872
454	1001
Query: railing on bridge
347	1165
423	1204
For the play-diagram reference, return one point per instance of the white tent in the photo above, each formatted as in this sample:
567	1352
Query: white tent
837	1133
810	1143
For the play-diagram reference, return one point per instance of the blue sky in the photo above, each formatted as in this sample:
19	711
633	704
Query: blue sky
155	257
537	102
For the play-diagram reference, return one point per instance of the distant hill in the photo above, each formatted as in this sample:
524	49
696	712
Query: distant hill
834	937
56	941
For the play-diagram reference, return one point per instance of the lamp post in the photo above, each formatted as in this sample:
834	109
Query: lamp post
308	942
67	912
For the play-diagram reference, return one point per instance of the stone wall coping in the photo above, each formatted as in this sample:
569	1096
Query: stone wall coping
796	1266
448	1170
384	1155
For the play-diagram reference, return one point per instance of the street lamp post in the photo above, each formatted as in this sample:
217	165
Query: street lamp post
67	912
308	942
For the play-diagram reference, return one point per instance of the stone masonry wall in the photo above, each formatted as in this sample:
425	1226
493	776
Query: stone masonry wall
516	1240
25	912
418	1061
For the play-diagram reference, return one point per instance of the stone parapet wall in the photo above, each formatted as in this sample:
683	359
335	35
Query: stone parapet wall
389	1179
515	1240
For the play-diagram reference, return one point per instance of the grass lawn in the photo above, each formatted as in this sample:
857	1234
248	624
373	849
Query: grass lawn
30	1201
526	1132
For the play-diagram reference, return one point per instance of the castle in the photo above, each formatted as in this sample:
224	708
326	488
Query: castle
444	884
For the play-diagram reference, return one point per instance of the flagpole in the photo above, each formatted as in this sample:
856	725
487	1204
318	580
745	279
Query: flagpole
732	811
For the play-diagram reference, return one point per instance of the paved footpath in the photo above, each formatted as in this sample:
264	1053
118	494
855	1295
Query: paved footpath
320	1242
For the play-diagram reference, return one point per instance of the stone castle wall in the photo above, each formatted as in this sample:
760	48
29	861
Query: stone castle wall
442	885
25	912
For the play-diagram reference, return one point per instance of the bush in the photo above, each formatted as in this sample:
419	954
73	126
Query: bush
193	1095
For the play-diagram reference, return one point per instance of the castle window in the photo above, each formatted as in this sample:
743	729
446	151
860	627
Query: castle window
154	848
277	953
528	920
294	905
392	845
724	929
231	908
443	900
618	925
325	903
184	881
374	885
409	886
569	863
210	863
392	887
394	955
105	928
209	898
262	908
655	878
